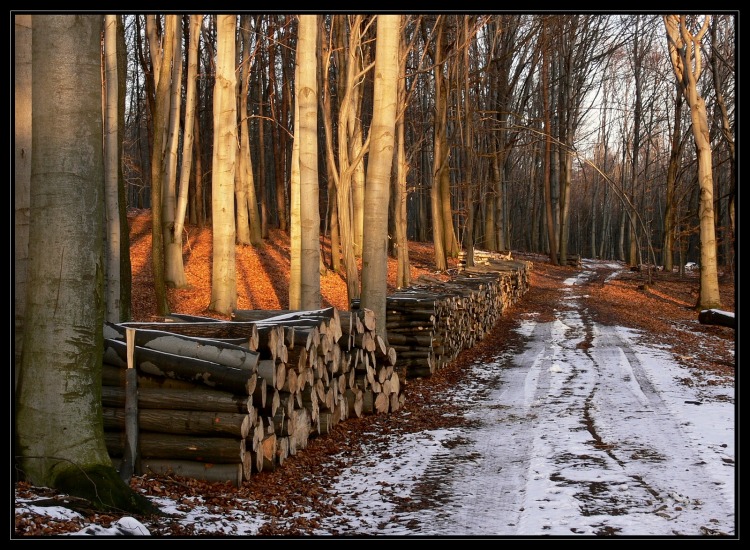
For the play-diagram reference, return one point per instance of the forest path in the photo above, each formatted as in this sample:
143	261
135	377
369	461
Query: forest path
584	433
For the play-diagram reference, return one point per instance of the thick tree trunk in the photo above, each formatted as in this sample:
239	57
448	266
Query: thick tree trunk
224	282
59	435
307	97
22	178
375	250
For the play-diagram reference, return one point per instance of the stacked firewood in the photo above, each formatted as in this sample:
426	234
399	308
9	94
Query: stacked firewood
432	321
219	400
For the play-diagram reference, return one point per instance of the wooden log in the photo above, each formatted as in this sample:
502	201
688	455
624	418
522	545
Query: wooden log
175	421
204	471
354	401
167	365
717	317
408	340
282	314
113	374
368	401
185	317
282	449
199	348
326	423
269	340
303	428
208	329
198	398
382	403
219	450
267	452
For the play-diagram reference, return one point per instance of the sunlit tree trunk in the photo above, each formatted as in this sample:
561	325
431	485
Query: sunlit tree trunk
223	276
111	163
440	157
295	231
685	52
307	98
188	133
22	177
349	155
403	271
174	268
375	249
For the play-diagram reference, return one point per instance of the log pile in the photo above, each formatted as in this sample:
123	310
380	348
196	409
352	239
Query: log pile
432	321
220	400
224	399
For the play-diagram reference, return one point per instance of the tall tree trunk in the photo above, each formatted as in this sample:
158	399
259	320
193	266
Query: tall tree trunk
174	268
59	433
245	164
403	271
223	279
295	230
160	115
350	71
670	223
375	249
126	275
262	159
726	131
111	180
200	207
307	98
547	147
188	134
685	52
439	157
22	178
284	153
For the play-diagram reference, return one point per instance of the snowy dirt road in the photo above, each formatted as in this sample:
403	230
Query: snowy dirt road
586	432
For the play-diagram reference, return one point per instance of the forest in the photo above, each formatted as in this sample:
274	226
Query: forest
573	135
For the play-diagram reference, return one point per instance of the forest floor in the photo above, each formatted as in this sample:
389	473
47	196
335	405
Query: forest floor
657	310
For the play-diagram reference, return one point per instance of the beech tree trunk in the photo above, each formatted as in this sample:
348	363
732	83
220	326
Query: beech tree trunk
685	52
224	278
375	250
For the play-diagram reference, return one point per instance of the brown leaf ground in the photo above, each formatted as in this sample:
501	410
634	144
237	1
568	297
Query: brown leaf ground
664	313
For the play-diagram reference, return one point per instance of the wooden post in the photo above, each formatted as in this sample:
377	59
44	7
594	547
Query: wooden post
130	455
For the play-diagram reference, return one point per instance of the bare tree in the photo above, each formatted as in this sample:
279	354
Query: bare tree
684	41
